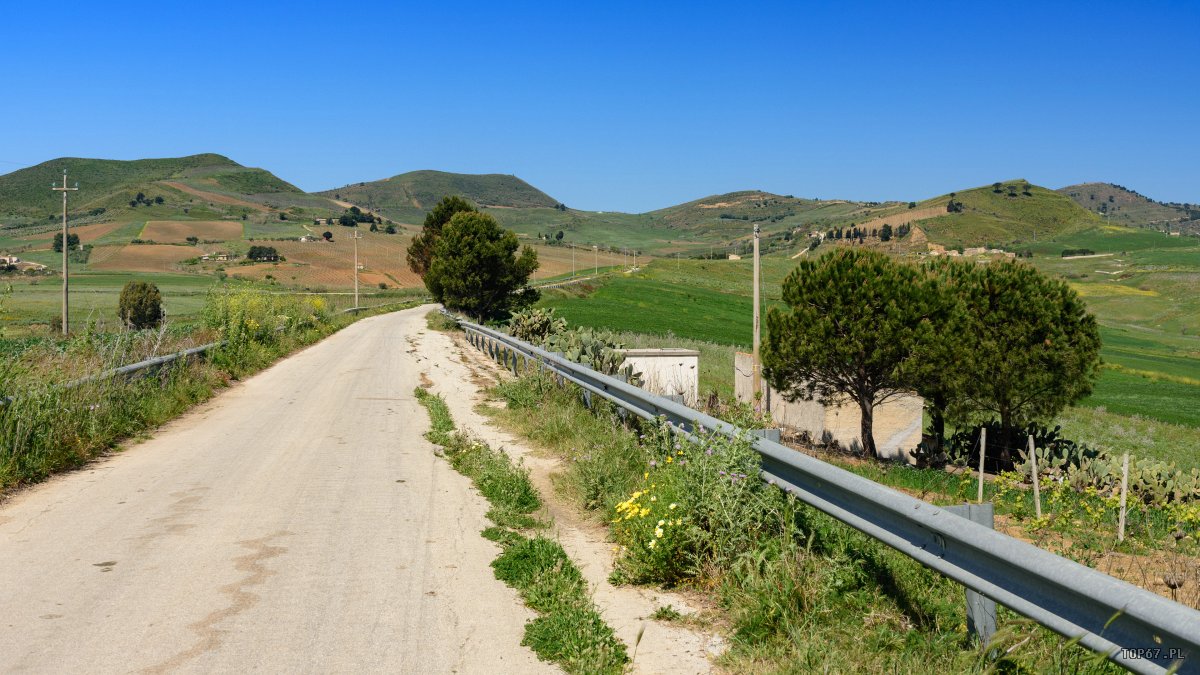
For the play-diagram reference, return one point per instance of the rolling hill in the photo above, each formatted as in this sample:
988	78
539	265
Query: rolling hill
409	194
1009	213
1123	206
205	186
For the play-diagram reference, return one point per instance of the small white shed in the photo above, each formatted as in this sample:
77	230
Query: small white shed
667	372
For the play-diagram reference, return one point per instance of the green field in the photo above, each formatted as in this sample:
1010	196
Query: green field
94	298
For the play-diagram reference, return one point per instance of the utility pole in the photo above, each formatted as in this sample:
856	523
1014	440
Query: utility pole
572	261
357	235
596	259
65	246
757	368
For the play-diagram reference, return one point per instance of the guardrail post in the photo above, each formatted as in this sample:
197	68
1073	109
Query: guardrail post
981	611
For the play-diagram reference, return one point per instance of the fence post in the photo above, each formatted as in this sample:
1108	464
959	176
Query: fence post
981	610
1037	493
1124	492
982	454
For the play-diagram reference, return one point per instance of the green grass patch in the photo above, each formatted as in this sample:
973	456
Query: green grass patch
569	631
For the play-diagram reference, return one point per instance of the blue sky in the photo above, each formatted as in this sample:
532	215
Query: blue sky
621	106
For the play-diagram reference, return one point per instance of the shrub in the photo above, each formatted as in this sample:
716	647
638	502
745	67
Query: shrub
140	305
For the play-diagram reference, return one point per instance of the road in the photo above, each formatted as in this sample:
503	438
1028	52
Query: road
298	522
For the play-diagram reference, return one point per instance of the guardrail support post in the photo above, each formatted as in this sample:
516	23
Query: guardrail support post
981	611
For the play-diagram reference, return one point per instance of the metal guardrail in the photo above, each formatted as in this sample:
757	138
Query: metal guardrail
1133	627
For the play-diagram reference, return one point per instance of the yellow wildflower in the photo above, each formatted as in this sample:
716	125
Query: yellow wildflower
673	506
658	532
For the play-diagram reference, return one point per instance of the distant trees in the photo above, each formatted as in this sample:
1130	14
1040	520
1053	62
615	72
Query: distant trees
374	227
390	229
475	267
140	305
193	240
282	215
72	242
141	198
420	251
559	236
353	216
885	233
327	235
261	253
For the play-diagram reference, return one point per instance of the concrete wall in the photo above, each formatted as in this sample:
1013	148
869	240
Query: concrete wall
897	425
673	372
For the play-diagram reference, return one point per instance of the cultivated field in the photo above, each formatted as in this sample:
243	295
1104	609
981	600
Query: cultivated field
177	231
87	233
141	257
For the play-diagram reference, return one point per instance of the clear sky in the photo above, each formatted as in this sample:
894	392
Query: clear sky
621	105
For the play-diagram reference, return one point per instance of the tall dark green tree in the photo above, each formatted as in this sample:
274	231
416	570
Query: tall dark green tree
936	372
476	268
832	345
1033	348
420	251
140	305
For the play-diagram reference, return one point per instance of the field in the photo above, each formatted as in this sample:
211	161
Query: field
177	232
94	299
141	258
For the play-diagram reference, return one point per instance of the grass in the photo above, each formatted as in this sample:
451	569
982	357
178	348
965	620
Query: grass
800	591
569	631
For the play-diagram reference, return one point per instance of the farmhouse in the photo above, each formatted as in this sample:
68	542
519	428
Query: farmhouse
9	260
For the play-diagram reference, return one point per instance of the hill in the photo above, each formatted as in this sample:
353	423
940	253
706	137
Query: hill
1122	206
205	186
1010	213
410	194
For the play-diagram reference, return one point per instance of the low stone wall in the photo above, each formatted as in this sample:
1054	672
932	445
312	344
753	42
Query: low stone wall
897	425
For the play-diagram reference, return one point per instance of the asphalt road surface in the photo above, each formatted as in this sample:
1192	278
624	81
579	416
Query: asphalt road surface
299	522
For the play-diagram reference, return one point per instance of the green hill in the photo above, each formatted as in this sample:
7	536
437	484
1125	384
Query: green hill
731	216
193	187
1122	206
413	193
1008	213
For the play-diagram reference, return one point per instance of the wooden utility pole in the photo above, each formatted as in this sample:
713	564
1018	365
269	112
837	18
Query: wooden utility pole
757	367
596	259
65	245
357	235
